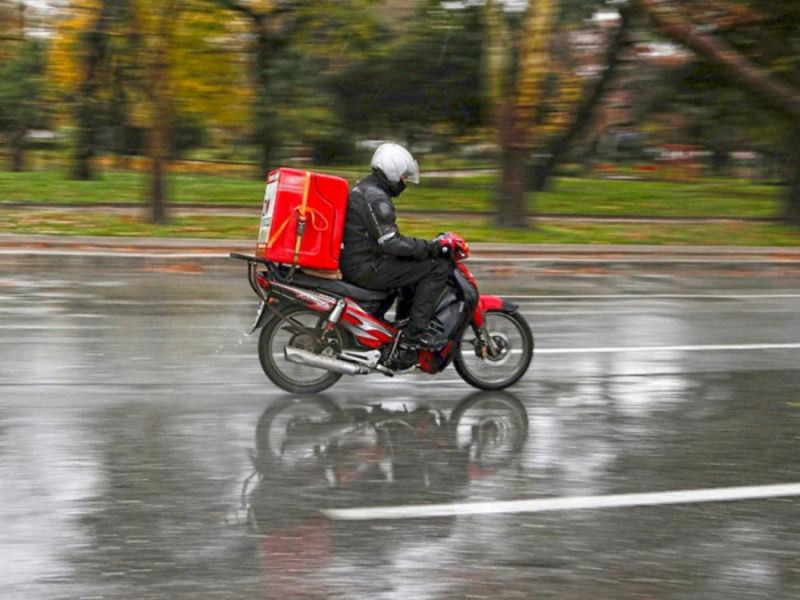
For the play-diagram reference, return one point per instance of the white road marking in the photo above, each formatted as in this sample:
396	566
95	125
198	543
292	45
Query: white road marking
545	297
697	348
565	503
739	260
213	303
537	352
105	254
535	299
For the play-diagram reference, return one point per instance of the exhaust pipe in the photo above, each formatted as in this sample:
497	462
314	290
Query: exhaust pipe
309	359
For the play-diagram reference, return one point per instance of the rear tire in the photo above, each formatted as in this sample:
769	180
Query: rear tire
479	372
287	375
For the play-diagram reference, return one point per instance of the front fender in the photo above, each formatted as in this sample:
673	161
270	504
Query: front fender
488	302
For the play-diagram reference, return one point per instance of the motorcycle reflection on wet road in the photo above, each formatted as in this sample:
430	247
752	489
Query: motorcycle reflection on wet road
312	455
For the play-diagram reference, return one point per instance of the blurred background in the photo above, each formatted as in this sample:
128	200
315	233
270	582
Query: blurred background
135	420
532	121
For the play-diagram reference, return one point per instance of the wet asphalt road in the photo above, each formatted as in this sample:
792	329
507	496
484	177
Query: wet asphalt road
135	443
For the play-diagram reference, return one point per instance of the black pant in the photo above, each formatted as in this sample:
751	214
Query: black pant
427	277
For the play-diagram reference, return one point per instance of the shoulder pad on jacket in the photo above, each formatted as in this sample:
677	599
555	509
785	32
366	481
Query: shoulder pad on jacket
384	209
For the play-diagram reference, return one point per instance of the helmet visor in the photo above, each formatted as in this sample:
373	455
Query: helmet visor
412	172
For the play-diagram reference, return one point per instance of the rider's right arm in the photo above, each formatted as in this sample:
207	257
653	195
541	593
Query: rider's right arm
382	226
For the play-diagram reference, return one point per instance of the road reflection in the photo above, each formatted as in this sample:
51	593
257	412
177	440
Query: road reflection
314	454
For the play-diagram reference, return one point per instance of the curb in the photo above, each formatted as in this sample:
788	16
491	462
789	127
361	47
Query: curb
200	208
178	249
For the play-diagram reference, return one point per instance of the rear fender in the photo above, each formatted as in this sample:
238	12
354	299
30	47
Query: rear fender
486	303
263	316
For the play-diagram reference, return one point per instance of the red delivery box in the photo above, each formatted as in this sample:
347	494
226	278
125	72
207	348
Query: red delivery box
302	221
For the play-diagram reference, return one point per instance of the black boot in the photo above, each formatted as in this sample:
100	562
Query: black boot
412	338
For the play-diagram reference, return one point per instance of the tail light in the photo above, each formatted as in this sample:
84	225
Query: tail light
262	281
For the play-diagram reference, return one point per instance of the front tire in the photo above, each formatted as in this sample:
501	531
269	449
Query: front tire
511	332
276	335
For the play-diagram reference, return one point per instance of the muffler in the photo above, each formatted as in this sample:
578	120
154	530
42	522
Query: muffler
309	359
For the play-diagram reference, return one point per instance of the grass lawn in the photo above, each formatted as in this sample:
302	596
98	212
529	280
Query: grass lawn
706	197
125	186
99	223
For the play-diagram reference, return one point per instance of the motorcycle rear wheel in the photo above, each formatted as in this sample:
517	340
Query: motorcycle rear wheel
275	336
511	332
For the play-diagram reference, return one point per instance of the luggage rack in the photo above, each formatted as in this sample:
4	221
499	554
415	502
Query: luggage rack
335	287
282	273
252	271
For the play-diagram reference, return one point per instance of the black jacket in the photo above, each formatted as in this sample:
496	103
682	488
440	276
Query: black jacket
370	230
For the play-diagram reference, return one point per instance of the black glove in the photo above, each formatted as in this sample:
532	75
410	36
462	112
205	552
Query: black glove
438	250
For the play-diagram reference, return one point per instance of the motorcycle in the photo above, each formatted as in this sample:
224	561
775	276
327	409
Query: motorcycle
314	330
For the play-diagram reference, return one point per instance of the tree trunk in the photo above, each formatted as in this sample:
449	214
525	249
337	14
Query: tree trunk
513	211
792	200
84	141
583	117
159	154
720	159
518	115
15	32
266	122
269	44
495	58
95	50
270	39
158	142
266	144
17	147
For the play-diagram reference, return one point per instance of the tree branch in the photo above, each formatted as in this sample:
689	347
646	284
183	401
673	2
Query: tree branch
243	9
779	94
586	110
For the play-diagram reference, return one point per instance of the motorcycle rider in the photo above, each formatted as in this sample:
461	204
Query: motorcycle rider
376	256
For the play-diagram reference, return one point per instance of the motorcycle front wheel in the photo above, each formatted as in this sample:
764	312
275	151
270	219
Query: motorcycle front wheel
296	327
512	335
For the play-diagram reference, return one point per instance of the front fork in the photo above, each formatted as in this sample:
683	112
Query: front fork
488	347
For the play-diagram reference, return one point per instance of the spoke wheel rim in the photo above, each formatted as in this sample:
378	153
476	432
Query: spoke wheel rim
282	337
501	327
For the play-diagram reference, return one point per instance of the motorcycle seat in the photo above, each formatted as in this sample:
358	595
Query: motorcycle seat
339	287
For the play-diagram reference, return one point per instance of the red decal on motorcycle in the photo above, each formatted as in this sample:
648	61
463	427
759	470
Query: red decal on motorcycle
448	348
368	330
427	361
312	300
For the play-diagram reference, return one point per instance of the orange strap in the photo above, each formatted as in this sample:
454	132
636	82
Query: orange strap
301	221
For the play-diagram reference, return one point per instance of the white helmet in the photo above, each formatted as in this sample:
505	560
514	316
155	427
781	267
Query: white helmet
395	162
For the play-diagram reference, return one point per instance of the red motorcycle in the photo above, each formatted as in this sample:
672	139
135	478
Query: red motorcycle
314	330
